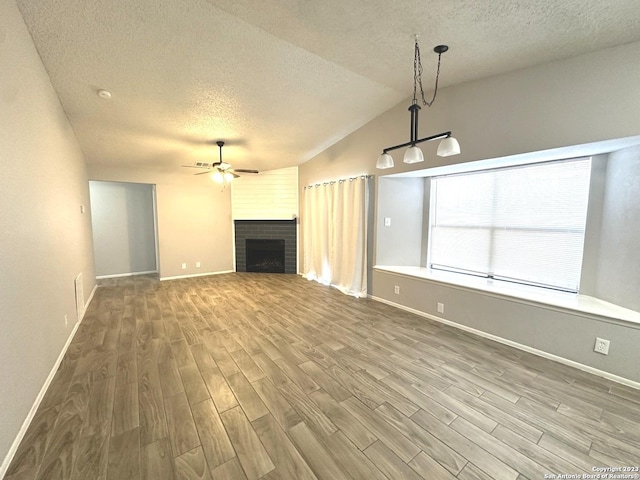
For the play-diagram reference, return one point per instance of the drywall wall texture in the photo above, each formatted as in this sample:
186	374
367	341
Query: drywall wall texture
45	240
548	106
618	274
593	227
400	202
270	195
123	220
193	219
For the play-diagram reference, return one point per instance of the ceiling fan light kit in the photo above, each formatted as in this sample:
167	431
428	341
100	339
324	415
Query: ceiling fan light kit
217	176
448	145
223	173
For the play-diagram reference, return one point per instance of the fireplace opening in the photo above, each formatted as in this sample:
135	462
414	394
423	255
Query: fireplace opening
265	256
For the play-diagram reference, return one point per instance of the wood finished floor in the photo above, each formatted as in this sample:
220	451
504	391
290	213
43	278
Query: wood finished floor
255	376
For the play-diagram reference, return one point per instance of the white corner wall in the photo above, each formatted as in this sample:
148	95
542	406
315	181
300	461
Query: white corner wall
45	240
270	195
618	273
123	220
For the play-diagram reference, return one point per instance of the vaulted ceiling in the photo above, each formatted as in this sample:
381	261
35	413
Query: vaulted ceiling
281	80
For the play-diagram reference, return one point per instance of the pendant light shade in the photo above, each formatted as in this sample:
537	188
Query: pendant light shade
448	146
413	155
384	161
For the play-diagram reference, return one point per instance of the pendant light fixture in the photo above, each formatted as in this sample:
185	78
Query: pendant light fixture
448	146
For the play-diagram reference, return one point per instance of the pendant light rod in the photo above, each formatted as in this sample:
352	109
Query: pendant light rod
420	140
414	109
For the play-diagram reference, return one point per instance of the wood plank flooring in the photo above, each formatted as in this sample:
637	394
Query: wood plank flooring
258	376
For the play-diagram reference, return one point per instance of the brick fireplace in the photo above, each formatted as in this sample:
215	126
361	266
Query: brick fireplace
254	231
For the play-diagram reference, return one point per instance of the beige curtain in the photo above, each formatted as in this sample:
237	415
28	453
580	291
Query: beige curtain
334	226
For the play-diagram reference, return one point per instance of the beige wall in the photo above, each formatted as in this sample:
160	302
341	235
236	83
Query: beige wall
45	241
193	219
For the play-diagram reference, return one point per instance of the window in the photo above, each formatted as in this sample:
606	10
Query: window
522	224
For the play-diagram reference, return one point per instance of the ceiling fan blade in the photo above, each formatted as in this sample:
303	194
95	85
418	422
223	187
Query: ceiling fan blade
234	175
203	173
192	166
244	170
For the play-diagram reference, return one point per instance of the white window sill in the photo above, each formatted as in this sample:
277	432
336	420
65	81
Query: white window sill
578	304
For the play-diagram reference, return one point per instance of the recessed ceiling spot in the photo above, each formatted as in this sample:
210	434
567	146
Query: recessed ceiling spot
104	94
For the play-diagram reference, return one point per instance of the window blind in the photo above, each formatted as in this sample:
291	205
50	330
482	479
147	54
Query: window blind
524	224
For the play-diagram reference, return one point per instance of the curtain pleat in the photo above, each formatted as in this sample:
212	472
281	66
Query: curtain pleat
335	235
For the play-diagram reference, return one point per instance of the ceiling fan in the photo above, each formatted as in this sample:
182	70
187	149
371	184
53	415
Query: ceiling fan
222	171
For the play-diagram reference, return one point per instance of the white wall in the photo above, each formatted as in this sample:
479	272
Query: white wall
123	221
584	99
194	219
618	274
44	239
593	227
270	195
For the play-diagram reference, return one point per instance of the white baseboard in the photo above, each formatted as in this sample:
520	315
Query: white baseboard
118	275
511	343
196	275
36	404
88	302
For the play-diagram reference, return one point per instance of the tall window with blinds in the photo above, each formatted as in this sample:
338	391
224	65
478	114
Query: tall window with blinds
523	224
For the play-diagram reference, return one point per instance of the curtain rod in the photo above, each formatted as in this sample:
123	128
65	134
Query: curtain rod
331	182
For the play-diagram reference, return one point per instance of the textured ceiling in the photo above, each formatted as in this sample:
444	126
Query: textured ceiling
281	80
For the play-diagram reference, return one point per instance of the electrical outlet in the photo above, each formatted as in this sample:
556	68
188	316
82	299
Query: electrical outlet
197	264
602	346
387	221
396	290
184	266
440	307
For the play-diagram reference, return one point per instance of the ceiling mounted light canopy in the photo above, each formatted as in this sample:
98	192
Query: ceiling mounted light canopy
448	145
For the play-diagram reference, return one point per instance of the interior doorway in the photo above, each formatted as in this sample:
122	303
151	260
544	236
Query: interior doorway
123	221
